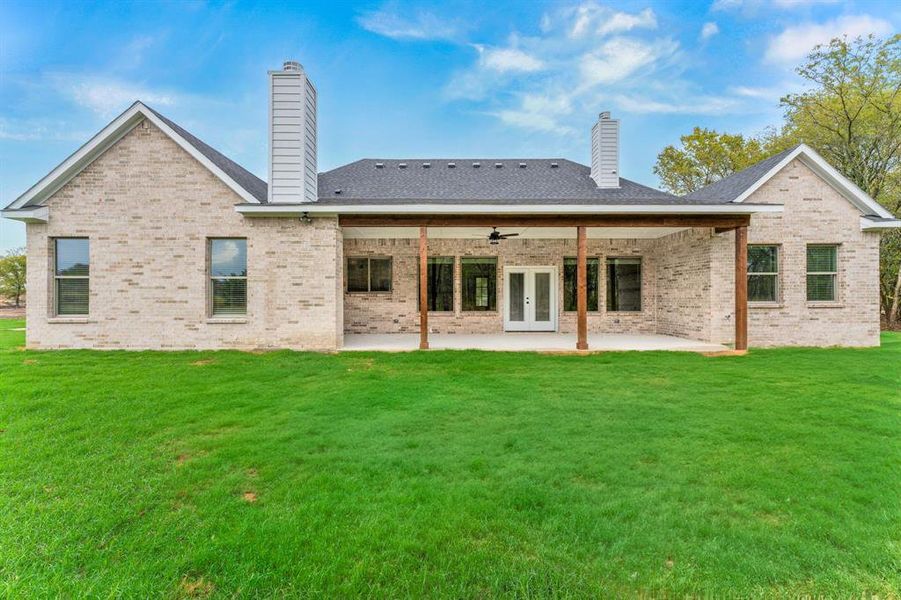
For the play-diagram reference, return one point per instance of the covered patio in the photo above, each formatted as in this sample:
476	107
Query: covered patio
518	342
379	233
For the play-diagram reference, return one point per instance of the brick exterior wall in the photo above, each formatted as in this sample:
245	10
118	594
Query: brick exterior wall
397	311
814	213
148	208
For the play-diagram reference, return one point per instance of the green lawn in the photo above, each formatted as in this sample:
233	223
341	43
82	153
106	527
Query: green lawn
451	474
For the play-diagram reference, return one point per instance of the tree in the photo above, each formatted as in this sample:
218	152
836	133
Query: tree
12	275
705	156
852	116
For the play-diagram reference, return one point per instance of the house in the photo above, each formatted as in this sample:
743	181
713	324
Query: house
146	237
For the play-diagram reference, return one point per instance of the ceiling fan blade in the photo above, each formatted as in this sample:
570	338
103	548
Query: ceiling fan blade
509	235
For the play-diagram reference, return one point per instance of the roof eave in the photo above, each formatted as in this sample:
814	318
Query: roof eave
314	209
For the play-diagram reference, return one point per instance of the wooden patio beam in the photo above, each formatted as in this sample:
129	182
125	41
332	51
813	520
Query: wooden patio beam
582	287
423	289
741	289
717	221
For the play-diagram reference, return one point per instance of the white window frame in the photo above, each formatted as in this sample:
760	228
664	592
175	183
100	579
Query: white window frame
834	274
778	286
56	278
211	313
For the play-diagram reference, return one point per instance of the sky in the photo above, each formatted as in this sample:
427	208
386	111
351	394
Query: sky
505	79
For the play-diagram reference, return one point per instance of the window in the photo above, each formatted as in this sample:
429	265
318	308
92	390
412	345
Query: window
479	283
228	276
440	284
571	283
72	264
623	284
822	268
365	274
763	273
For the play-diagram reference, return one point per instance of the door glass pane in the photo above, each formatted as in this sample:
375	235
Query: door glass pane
517	296
441	284
542	297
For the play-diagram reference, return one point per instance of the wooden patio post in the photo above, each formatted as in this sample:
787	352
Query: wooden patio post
741	288
423	289
582	288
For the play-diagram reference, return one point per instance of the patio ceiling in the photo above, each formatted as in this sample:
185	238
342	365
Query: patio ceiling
478	233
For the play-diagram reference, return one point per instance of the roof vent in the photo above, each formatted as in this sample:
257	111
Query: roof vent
498	165
451	165
402	165
522	165
476	165
426	165
338	191
554	165
379	165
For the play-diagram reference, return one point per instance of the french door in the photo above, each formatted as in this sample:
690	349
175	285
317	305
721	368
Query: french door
530	299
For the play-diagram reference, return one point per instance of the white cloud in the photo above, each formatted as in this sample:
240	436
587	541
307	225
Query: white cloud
620	21
700	105
619	58
592	18
755	5
26	130
106	96
709	30
794	43
508	59
389	22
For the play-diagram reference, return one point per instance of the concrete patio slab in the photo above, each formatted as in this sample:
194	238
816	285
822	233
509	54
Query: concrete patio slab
525	342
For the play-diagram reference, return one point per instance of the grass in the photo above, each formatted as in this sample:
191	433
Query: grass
449	474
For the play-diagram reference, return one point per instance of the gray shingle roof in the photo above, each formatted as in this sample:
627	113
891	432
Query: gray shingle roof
363	182
729	188
247	180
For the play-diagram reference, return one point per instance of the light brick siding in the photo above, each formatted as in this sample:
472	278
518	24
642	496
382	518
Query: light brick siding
814	213
148	208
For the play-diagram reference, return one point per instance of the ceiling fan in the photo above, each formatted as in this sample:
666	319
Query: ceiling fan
496	236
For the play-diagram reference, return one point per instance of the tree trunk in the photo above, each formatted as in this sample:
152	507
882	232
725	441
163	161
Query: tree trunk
893	313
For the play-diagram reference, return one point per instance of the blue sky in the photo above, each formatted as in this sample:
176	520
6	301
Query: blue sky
399	79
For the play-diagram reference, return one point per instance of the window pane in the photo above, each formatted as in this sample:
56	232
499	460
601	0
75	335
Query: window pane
821	288
229	296
441	284
479	283
762	288
762	259
821	259
542	297
357	275
623	284
72	296
380	274
570	283
72	257
228	258
517	296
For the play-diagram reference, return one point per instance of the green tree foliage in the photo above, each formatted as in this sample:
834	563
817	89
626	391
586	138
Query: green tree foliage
850	114
12	275
705	156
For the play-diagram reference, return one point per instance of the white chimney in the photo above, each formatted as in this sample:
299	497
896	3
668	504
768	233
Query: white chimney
292	135
605	151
